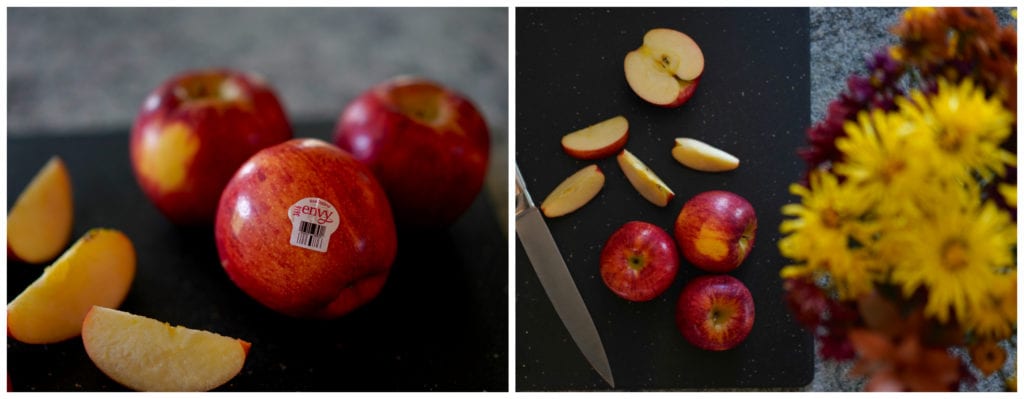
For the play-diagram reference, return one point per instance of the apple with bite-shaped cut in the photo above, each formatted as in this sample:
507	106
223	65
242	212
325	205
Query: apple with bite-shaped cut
716	230
193	132
573	192
597	141
701	156
666	69
149	355
428	146
98	269
305	229
639	261
643	179
715	312
39	223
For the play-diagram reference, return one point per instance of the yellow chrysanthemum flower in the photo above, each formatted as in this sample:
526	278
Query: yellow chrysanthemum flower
998	314
958	256
967	129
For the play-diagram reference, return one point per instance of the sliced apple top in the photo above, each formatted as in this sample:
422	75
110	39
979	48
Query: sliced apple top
573	192
666	68
597	141
648	184
148	355
97	270
675	51
39	223
701	156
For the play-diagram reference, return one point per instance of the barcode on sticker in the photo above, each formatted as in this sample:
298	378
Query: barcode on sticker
311	235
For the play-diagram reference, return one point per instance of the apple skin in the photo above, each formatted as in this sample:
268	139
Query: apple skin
716	230
184	175
639	261
686	91
715	312
253	231
428	146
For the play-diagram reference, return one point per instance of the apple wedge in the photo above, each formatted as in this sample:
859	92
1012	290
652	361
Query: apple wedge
573	192
97	270
666	69
39	223
597	141
701	156
648	184
149	355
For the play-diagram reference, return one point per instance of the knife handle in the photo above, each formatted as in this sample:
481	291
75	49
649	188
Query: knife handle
523	200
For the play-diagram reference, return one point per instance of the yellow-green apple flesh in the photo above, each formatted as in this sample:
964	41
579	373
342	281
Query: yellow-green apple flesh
573	192
194	131
306	230
666	69
639	261
597	141
716	230
427	144
715	312
704	157
39	223
643	179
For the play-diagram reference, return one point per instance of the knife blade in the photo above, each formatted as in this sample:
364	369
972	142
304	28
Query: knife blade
554	276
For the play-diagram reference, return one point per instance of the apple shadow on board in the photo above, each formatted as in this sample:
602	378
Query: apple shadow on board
439	323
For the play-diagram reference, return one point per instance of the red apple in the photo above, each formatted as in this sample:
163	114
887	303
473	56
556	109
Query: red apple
716	230
639	261
715	312
427	144
306	230
193	132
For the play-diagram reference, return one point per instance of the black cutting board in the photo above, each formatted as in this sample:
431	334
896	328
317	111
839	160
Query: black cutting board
440	322
753	101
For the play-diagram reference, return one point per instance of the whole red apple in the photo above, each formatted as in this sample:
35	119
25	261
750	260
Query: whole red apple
193	132
427	145
639	261
306	230
716	230
715	312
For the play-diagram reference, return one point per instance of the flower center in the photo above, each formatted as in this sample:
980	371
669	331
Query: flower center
830	218
954	254
892	168
950	140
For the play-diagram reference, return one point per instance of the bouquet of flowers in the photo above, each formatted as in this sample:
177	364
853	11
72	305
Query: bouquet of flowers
904	238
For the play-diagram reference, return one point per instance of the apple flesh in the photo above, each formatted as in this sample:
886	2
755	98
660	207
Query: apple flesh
597	141
39	223
427	145
715	312
192	134
643	179
701	156
639	261
573	192
716	230
149	355
306	230
666	69
98	269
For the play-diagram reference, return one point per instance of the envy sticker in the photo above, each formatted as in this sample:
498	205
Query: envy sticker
313	222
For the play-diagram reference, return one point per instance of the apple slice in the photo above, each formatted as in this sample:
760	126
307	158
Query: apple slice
573	192
97	270
644	180
665	70
149	355
701	156
598	140
39	223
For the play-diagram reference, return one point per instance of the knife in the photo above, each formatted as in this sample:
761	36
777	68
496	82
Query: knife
557	282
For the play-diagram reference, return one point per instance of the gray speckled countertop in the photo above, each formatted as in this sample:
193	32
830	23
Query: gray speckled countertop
75	70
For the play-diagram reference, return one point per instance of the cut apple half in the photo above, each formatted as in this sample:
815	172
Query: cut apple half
666	69
701	156
39	223
149	355
648	184
573	192
97	270
597	141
